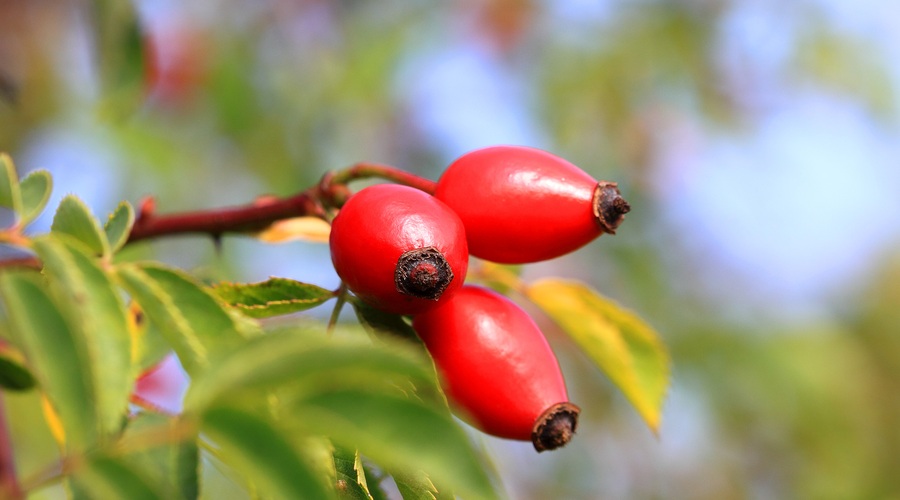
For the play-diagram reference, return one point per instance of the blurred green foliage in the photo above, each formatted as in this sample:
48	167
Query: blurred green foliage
279	92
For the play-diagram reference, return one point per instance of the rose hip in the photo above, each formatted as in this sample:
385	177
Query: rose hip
497	368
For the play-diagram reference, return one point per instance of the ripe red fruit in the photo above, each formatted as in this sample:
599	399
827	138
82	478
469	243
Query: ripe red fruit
496	365
399	249
522	205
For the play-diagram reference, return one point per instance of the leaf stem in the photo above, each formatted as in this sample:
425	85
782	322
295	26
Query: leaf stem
341	294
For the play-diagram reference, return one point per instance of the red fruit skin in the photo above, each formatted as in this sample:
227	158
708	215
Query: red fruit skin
381	222
520	204
493	360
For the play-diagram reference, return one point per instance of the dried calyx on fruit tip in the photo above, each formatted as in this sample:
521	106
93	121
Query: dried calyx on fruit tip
609	206
555	427
423	273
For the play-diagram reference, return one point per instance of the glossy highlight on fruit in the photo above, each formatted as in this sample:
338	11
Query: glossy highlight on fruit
399	249
497	367
522	205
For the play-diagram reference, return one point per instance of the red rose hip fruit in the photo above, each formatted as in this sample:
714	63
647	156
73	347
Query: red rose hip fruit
522	205
497	367
398	249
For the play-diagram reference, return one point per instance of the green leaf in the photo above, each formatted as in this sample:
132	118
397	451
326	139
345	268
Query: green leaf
396	432
152	346
193	321
351	475
75	219
262	452
14	375
172	460
96	314
382	325
303	362
415	485
107	477
10	196
272	297
118	226
628	350
57	356
35	191
387	327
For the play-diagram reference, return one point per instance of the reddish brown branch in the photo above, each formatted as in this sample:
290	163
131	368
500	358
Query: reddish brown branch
9	483
215	222
331	192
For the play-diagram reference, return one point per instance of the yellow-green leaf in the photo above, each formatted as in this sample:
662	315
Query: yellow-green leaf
56	355
75	219
195	323
173	459
96	313
119	225
625	347
107	477
10	197
35	191
311	229
303	361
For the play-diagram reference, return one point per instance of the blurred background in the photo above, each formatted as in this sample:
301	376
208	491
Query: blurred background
757	141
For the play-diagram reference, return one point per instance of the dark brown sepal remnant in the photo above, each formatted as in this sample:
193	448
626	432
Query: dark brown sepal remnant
555	427
423	273
609	206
